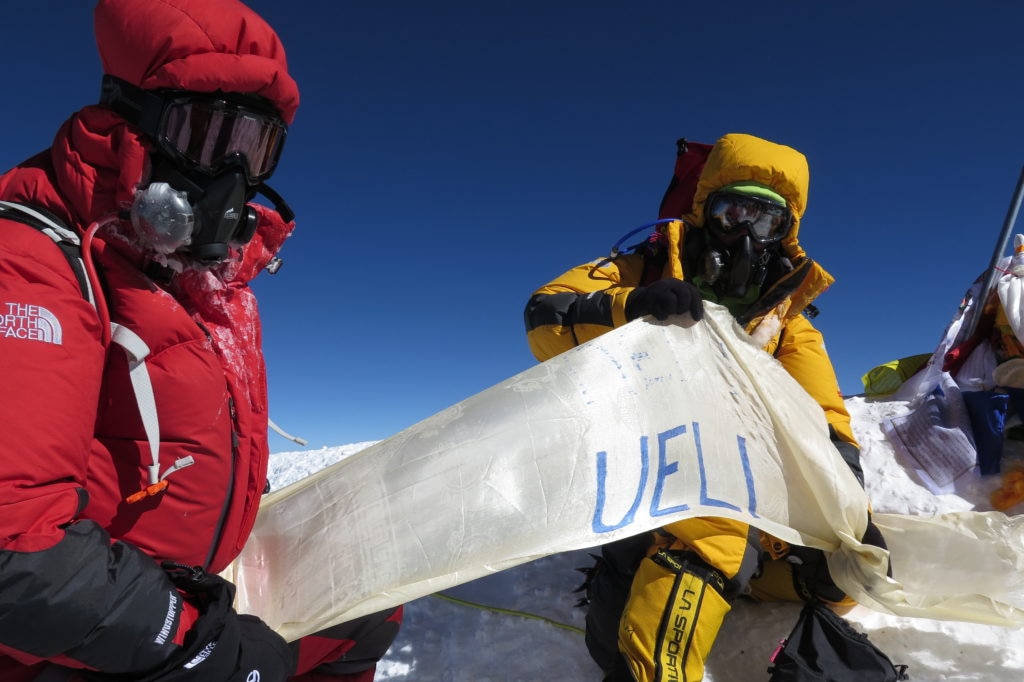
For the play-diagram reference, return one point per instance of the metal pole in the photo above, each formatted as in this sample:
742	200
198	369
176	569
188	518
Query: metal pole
953	357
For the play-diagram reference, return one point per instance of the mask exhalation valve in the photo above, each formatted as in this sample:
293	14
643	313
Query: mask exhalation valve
163	217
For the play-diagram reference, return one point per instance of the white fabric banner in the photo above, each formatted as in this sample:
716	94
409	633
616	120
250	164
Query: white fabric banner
648	424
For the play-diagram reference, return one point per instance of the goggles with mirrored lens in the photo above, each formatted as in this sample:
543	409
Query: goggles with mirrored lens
203	132
211	134
765	220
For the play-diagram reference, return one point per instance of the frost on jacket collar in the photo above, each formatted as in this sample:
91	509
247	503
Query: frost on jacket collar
737	157
91	172
97	160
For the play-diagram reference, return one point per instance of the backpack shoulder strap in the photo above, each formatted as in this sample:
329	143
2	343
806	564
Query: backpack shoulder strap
134	347
65	239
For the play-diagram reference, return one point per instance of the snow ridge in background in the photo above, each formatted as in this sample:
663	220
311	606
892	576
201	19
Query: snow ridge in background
445	641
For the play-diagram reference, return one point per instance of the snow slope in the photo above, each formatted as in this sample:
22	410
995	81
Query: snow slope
445	640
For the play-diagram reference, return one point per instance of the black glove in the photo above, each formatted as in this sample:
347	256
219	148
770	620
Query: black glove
222	646
663	298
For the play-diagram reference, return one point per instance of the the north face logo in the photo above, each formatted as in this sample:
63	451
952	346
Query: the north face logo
30	322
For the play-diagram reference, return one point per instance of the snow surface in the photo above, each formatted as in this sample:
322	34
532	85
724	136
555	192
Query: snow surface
445	641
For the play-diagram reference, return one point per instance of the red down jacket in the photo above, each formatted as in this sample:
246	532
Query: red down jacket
80	581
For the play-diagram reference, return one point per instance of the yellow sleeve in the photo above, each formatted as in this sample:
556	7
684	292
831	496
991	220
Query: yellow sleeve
801	351
580	305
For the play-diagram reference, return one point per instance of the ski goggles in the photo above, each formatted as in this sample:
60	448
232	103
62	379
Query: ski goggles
766	221
203	132
210	134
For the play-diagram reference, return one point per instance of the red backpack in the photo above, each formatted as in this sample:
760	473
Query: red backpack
690	159
677	202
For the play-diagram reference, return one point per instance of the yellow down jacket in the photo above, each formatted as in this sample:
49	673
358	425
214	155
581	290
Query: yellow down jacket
590	299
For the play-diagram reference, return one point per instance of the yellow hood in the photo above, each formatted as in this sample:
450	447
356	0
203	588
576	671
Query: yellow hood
738	157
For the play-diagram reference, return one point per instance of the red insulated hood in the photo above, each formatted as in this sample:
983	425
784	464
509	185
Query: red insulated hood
197	45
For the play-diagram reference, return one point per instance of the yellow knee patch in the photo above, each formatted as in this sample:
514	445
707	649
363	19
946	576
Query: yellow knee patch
720	542
671	620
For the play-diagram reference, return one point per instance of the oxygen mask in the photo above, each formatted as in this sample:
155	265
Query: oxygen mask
212	154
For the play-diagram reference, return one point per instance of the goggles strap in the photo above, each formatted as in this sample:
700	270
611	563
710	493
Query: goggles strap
141	107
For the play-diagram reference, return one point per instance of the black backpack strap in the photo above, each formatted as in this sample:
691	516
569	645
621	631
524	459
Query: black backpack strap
65	239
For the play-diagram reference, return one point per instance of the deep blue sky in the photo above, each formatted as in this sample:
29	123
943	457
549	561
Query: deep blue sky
448	158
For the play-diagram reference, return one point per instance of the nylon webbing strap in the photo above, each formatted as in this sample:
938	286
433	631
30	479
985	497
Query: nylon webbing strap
67	240
137	350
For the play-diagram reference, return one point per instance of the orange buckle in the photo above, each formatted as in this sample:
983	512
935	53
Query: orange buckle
148	491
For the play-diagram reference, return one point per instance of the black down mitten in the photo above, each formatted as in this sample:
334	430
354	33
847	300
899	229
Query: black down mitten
663	298
222	646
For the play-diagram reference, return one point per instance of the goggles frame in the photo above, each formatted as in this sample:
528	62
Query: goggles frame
771	222
203	132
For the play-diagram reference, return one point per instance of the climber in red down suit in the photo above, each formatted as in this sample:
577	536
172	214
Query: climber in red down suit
135	446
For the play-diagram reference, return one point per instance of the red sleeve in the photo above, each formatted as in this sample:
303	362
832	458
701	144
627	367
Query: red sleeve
52	360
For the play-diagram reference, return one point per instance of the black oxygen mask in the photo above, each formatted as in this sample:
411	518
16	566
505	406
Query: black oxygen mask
734	265
200	215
